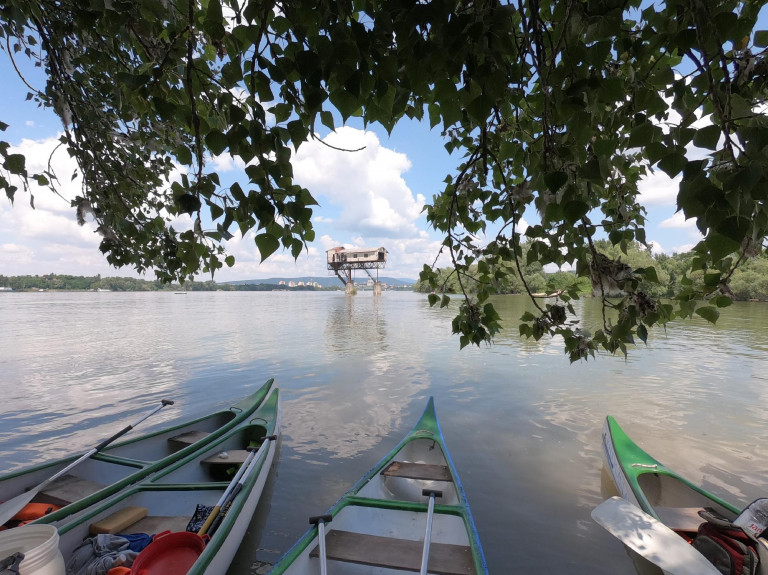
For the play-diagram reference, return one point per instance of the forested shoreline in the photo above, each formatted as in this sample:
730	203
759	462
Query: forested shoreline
749	280
62	282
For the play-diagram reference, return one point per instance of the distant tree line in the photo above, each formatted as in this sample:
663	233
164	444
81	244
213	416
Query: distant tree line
749	281
93	283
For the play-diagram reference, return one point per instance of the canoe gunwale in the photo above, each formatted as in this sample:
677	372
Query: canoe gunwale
634	462
427	428
253	402
247	496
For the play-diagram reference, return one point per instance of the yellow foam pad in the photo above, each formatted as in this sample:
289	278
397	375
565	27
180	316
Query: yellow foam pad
119	520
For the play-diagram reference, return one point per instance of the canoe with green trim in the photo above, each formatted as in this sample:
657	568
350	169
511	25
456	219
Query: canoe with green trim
380	525
168	500
653	487
122	464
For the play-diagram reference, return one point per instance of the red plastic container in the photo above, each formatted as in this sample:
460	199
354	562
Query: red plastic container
169	554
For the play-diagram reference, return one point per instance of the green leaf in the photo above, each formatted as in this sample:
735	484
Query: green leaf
15	163
761	38
555	180
642	333
673	164
574	211
712	279
722	301
267	245
433	299
216	142
327	119
709	313
707	137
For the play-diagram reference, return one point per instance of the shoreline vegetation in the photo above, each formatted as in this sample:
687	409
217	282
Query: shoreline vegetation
677	279
749	281
71	283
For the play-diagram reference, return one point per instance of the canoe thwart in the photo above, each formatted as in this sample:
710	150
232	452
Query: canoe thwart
228	457
424	471
680	518
119	521
184	439
377	551
67	489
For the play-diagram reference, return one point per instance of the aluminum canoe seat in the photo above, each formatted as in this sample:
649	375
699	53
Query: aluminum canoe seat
392	553
424	471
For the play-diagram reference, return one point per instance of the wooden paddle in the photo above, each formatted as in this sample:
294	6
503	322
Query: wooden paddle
11	507
236	486
650	538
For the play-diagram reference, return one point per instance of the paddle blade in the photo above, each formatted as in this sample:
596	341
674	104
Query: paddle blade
11	507
650	538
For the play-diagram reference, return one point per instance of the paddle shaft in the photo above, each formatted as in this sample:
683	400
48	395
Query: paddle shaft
9	508
320	521
428	534
224	509
215	511
103	444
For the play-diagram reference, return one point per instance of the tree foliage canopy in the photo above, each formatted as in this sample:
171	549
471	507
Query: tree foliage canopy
558	106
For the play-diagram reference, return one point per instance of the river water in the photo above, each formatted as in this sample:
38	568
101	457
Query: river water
522	424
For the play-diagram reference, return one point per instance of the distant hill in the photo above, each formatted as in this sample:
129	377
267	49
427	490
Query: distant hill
325	281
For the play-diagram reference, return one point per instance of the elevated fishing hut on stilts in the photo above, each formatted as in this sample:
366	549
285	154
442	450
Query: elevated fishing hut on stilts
343	262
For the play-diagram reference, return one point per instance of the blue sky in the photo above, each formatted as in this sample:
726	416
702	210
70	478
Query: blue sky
367	199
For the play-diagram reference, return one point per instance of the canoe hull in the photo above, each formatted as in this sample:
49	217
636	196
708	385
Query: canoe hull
649	484
654	488
378	526
171	496
130	461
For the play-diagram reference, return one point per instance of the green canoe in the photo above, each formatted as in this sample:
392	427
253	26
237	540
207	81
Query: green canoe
122	464
380	525
237	464
653	487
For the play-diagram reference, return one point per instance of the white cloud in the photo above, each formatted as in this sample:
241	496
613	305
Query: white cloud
678	221
656	247
367	185
684	248
658	189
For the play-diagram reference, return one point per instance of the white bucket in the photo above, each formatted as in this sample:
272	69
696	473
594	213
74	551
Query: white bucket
40	545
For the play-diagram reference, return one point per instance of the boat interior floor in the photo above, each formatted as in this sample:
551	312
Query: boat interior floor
422	471
401	554
68	489
680	518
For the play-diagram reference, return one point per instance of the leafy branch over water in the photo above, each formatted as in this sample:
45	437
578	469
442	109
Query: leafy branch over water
555	110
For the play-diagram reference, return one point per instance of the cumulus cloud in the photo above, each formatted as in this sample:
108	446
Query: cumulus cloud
678	221
658	189
366	185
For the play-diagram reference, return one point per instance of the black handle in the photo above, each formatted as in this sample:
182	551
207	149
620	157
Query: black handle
428	492
318	518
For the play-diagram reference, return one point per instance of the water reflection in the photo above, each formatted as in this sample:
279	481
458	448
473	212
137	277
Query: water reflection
522	423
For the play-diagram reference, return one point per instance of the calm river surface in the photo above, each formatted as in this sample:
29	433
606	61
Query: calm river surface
522	424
